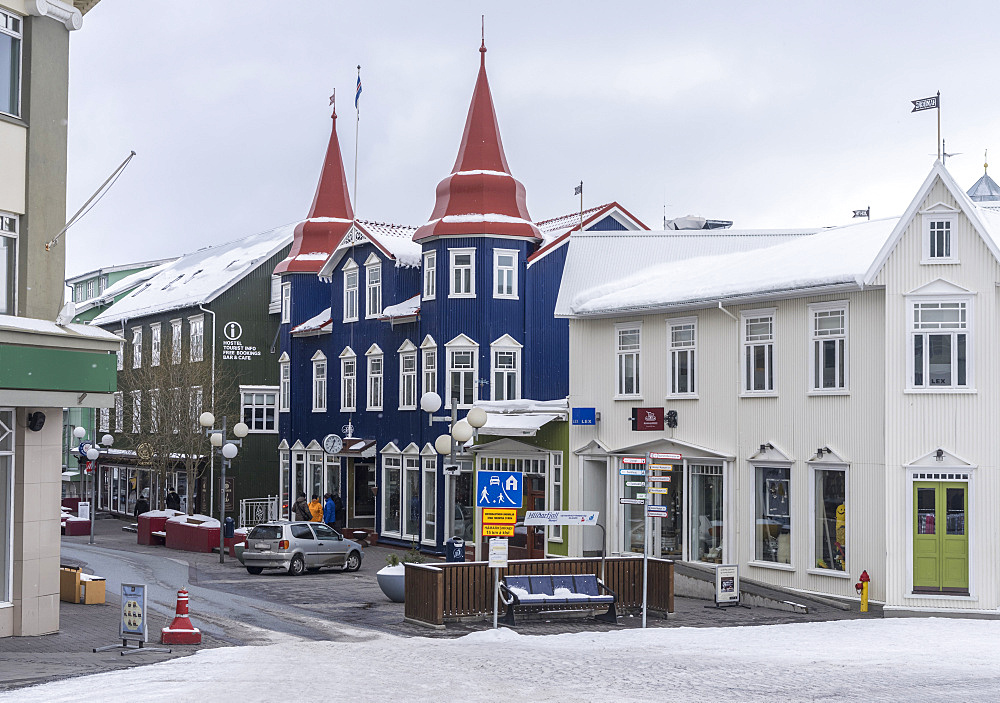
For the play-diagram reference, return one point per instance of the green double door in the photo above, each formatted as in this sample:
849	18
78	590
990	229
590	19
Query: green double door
940	537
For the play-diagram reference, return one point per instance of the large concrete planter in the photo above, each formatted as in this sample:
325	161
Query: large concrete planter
391	581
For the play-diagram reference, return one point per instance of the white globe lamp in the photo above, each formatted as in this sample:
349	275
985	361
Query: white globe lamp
430	402
476	417
462	431
229	450
79	432
216	439
93	454
241	430
107	440
206	419
442	445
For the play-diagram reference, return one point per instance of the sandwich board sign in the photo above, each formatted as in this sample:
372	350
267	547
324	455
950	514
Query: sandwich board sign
727	584
133	622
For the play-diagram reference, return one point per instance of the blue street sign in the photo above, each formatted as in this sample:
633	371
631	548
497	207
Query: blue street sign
499	489
584	416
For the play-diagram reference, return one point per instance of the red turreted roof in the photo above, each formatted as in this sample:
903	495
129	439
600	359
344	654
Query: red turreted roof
329	219
480	196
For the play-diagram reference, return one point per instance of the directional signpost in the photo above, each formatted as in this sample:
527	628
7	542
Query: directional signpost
654	462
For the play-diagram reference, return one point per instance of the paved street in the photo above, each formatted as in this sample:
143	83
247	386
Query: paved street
232	607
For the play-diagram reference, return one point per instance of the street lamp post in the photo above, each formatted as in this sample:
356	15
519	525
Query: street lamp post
93	453
229	450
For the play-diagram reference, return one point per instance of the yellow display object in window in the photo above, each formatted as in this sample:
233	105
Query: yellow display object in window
841	524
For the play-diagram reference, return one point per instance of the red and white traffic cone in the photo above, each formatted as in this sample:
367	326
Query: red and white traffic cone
181	631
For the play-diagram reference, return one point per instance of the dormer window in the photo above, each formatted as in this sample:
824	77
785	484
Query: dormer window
350	292
463	273
939	226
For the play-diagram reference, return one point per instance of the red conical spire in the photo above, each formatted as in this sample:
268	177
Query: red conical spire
480	196
330	216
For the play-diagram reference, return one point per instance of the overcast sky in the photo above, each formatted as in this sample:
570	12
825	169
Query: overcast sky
770	114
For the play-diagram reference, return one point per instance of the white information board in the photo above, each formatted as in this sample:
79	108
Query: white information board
133	622
83	510
727	584
498	553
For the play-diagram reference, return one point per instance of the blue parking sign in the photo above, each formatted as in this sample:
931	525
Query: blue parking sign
499	489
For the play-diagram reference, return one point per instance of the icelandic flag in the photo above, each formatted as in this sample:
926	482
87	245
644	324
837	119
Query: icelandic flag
357	93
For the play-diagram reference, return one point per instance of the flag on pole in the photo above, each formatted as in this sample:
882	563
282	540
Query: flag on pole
357	93
931	103
862	213
578	190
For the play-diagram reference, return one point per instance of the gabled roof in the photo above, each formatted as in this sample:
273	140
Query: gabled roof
985	189
393	241
199	277
556	231
480	196
121	287
145	265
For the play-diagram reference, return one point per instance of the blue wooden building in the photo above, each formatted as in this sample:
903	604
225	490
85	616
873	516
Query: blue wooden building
375	315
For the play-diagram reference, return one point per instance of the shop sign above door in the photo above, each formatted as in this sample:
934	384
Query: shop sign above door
647	419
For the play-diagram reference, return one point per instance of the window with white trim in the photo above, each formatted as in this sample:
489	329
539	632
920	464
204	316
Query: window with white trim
176	340
319	382
376	380
829	506
429	510
408	380
285	384
939	242
119	411
628	345
8	260
286	302
90	289
348	381
556	492
350	291
392	493
196	327
154	410
136	347
430	275
154	344
121	356
463	273
6	504
506	371
682	336
173	411
430	370
462	372
105	420
136	411
373	290
505	273
939	344
773	539
258	406
274	302
10	64
828	338
758	352
195	399
411	496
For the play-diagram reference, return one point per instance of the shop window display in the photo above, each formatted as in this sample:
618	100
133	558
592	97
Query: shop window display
831	520
773	534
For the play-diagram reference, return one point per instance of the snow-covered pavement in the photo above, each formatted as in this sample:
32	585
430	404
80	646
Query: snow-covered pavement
876	660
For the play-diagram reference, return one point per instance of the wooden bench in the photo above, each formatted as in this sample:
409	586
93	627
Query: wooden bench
549	593
158	537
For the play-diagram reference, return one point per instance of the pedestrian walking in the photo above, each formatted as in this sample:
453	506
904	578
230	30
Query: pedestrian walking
301	508
340	514
173	501
315	510
329	510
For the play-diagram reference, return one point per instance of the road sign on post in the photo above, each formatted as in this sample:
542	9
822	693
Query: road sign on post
499	489
498	560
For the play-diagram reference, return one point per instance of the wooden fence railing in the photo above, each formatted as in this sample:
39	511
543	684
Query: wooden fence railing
442	592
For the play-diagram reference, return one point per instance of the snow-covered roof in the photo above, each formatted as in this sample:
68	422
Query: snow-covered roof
317	324
397	240
113	269
555	226
557	231
408	308
834	256
117	288
11	323
525	405
608	258
199	277
520	425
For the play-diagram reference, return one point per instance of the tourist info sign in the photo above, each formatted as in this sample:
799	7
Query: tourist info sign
560	517
499	489
133	622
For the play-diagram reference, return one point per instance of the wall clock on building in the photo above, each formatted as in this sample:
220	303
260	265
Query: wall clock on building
332	444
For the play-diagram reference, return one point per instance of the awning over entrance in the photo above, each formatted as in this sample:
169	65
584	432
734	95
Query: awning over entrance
685	449
358	448
519	425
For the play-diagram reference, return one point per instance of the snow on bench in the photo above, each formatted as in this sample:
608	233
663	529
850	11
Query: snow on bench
548	592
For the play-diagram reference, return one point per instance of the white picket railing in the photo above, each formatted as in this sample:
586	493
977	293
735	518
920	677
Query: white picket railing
254	511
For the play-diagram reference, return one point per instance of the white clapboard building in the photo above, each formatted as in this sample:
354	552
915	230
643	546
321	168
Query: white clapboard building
834	394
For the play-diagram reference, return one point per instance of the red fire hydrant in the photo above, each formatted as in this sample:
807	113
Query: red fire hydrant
862	588
181	631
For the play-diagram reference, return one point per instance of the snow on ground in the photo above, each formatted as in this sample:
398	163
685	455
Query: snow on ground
876	660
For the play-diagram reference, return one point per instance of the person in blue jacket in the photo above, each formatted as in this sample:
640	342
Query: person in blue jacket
329	510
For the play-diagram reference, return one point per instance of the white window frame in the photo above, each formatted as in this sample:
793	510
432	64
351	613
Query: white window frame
407	379
348	380
428	466
7	494
460	346
284	383
196	336
814	467
320	373
428	376
505	276
104	415
677	349
792	522
375	385
505	345
816	340
286	303
430	275
351	290
121	356
253	405
411	464
621	356
392	460
557	481
195	403
136	347
453	268
119	411
274	302
154	410
12	25
373	288
136	411
912	301
747	345
176	341
939	213
9	227
154	343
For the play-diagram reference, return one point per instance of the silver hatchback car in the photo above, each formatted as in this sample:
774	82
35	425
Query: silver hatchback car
298	547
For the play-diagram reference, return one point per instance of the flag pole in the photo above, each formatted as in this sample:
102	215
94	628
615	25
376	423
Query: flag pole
939	123
581	206
357	123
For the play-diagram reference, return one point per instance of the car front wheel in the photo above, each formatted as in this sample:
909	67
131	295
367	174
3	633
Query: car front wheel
255	570
353	562
298	565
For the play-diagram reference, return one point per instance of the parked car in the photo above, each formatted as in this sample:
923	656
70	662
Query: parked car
298	547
